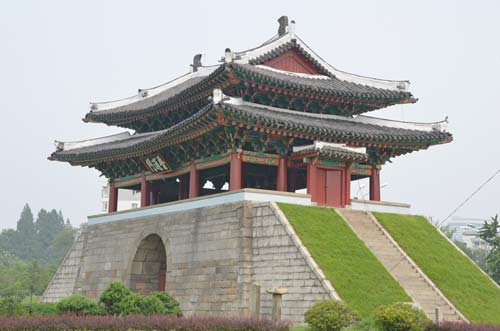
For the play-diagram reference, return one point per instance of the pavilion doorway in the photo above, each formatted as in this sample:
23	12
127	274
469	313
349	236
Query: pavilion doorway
149	266
329	187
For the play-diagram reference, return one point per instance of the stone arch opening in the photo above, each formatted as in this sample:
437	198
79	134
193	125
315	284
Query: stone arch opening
149	266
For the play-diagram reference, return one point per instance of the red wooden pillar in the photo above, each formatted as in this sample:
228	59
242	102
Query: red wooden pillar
194	181
145	191
235	171
112	198
183	187
348	172
281	182
312	180
375	184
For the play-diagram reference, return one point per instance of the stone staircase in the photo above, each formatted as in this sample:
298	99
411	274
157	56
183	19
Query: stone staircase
402	268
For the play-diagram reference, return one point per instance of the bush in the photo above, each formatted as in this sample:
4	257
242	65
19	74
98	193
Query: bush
400	317
113	295
171	305
139	304
137	322
79	305
43	309
330	315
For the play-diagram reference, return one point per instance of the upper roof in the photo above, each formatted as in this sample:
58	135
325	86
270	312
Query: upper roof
360	131
309	75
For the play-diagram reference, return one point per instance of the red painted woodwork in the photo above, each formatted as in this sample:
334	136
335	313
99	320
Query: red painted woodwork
293	61
235	172
375	185
281	181
162	280
312	180
348	172
112	198
333	188
327	185
183	187
194	181
145	191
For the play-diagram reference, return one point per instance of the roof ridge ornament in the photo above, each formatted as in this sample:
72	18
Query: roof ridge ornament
283	21
228	55
196	62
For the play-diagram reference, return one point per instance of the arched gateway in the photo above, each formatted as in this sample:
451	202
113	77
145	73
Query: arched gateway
149	266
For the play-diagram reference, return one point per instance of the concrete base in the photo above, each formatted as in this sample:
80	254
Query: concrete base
214	256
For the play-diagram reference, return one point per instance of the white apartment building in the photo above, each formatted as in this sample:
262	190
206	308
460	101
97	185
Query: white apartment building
127	199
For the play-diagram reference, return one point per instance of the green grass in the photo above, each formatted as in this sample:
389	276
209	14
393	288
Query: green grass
460	280
355	273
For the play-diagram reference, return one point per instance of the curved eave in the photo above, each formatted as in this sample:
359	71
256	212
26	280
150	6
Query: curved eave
233	74
287	123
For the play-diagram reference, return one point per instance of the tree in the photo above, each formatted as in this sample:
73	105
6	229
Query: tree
47	225
489	233
25	225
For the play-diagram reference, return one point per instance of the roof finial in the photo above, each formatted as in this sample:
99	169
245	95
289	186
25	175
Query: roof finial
228	55
283	21
196	62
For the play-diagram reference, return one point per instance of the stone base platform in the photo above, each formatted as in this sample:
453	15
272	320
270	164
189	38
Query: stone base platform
208	252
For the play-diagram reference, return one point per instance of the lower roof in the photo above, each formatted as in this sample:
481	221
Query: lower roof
360	131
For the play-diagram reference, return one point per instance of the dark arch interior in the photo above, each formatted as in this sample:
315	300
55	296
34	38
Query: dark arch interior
149	266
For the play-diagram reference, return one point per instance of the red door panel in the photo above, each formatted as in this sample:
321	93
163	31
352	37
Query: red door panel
333	192
320	186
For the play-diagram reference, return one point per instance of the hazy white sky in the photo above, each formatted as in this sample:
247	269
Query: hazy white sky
57	56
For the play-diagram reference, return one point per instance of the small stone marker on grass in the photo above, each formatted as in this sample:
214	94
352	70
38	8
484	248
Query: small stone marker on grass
277	293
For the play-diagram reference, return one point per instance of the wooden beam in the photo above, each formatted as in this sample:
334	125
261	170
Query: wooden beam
281	181
375	184
235	172
112	198
194	181
145	191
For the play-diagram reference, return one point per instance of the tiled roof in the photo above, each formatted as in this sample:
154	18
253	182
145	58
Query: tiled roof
202	85
325	84
328	128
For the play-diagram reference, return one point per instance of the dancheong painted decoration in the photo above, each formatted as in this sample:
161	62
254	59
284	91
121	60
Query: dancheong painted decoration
274	117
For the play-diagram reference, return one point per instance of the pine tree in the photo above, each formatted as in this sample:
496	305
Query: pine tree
25	225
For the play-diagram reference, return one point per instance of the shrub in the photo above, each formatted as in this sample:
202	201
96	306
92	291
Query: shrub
171	305
137	322
79	305
113	295
400	317
38	309
330	315
10	305
139	304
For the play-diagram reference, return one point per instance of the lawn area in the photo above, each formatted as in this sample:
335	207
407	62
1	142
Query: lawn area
457	277
355	273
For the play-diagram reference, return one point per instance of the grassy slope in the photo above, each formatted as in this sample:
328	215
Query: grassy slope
359	278
455	275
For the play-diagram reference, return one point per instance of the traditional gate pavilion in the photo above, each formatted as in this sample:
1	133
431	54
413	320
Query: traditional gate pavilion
274	117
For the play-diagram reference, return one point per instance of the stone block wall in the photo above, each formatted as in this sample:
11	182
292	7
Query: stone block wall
213	256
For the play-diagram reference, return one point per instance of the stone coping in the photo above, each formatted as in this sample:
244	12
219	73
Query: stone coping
382	203
204	201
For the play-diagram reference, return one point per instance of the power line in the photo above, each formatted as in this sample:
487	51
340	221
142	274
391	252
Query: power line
470	197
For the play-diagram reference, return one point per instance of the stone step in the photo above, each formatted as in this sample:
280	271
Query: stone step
398	265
